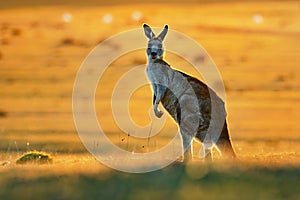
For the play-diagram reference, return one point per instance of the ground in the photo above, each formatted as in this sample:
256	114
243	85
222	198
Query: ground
255	46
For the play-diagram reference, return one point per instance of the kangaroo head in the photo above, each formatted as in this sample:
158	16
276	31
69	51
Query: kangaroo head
155	48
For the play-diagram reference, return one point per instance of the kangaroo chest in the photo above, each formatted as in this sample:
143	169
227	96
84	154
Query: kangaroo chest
158	74
164	75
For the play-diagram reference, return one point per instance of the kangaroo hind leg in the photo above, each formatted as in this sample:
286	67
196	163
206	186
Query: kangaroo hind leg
187	147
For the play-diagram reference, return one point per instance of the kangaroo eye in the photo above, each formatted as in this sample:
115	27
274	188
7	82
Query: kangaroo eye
148	50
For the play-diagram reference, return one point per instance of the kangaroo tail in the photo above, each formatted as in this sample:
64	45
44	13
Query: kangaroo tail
224	143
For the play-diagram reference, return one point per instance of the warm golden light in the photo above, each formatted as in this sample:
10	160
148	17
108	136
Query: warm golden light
254	44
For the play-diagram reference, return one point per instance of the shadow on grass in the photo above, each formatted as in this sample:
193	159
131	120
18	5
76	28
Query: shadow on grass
174	182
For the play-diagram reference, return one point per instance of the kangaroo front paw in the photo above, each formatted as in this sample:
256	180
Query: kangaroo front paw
158	113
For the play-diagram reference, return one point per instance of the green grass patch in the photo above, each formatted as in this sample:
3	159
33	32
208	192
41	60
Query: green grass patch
35	157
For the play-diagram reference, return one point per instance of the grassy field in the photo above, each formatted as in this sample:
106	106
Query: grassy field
256	47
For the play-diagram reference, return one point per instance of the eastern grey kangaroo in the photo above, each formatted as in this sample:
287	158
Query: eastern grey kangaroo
187	100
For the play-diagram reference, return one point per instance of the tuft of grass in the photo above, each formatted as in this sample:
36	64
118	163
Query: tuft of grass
68	41
73	42
16	32
3	114
139	61
5	163
35	157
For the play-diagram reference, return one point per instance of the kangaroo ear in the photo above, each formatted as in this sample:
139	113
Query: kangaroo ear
163	33
148	31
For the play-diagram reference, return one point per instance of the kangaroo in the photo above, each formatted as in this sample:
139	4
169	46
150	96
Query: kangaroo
188	101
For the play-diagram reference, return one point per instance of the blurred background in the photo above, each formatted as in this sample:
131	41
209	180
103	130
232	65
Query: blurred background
255	45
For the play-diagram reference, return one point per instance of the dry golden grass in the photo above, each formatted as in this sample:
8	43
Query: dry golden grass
40	56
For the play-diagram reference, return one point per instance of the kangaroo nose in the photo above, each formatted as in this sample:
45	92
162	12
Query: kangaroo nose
153	54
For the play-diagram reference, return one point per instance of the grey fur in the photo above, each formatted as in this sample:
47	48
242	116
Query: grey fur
187	100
